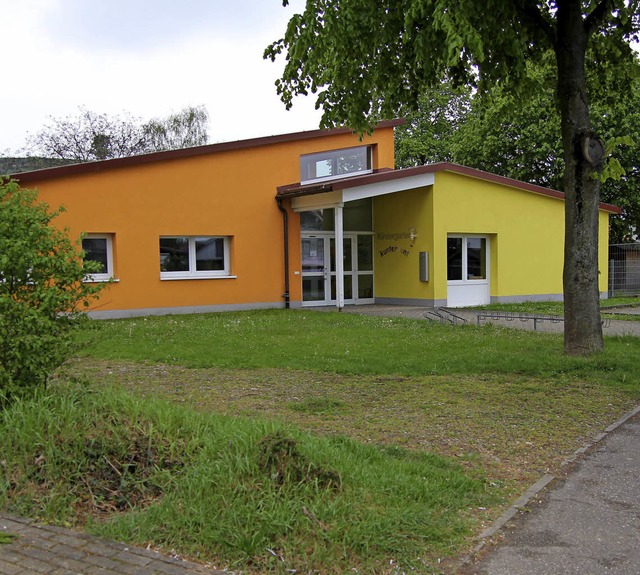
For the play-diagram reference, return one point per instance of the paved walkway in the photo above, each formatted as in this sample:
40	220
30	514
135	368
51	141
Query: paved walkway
586	524
49	550
522	321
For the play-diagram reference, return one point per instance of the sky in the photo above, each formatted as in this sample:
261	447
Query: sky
148	59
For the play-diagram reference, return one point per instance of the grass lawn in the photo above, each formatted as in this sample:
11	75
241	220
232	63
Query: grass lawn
459	419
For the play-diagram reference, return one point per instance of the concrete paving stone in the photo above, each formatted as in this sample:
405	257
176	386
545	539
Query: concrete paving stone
13	526
69	539
35	565
10	568
75	565
133	558
63	571
30	550
97	570
129	569
101	547
104	562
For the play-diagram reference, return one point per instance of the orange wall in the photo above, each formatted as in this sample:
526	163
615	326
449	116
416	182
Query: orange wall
225	193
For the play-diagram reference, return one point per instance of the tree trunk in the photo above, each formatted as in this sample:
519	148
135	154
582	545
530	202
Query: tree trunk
583	327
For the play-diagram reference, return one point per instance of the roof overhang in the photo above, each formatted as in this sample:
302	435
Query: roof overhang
388	181
348	190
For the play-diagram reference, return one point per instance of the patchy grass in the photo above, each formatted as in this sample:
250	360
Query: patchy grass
513	427
240	493
495	407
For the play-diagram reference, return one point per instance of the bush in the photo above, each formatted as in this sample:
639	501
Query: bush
41	291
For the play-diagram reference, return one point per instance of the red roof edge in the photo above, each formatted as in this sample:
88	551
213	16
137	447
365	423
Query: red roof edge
293	190
99	166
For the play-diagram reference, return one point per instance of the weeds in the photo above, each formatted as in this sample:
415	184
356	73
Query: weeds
247	494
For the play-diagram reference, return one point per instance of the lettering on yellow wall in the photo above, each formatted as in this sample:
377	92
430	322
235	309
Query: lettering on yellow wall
396	236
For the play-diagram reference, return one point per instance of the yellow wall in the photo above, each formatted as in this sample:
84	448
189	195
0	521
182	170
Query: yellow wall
526	232
396	260
226	193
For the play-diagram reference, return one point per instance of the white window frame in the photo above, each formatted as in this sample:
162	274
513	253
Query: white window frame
193	273
465	262
109	274
332	155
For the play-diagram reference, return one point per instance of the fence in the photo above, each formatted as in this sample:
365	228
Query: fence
624	270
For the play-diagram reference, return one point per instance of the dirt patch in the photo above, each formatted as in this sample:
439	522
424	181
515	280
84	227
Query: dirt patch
512	428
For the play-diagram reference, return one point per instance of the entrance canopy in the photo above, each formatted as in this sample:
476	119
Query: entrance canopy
335	193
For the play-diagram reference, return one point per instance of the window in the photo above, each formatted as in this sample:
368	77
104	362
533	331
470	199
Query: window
466	258
191	257
99	248
335	164
357	218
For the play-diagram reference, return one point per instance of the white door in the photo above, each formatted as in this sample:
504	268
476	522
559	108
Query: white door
467	270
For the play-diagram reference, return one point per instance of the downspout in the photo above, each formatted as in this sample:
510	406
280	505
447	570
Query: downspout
285	222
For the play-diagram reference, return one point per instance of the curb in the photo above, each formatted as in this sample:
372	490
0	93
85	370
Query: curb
519	504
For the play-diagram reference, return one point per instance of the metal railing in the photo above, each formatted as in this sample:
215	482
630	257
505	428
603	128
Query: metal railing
443	315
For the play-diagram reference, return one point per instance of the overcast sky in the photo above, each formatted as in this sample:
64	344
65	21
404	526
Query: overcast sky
148	58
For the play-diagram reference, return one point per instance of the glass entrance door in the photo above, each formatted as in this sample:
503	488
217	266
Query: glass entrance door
314	270
319	269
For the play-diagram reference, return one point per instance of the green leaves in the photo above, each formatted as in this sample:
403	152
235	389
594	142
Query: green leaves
41	289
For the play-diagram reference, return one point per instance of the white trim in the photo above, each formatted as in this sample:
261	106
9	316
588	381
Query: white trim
465	292
200	276
192	272
388	187
108	275
325	200
339	248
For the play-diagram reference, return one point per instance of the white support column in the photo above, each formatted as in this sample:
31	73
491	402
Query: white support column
339	239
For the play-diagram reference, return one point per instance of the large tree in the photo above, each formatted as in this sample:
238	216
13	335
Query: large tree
90	136
518	136
366	59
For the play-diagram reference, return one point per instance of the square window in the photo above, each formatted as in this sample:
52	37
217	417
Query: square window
99	248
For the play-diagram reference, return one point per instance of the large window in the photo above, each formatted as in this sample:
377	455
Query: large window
191	257
335	164
99	248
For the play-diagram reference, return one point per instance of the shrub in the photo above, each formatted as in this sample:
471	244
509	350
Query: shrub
41	291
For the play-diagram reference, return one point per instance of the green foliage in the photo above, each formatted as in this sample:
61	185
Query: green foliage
246	494
41	287
368	60
518	135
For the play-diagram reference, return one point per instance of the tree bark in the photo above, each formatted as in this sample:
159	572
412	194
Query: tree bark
583	327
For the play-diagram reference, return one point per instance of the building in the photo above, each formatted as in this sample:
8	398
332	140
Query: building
307	219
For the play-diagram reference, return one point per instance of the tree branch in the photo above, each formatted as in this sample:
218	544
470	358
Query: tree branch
597	16
534	19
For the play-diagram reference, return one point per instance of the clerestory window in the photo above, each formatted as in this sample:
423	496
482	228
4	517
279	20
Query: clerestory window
334	164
